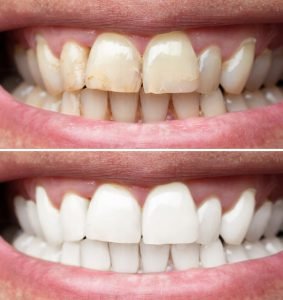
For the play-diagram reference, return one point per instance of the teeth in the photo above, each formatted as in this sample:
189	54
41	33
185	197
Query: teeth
236	222
113	215
94	104
114	64
36	97
185	256
124	106
22	91
169	216
34	68
49	66
235	103
212	255
154	107
209	215
255	250
273	94
276	68
186	105
71	254
73	214
22	241
21	211
236	70
212	104
170	65
35	248
275	221
51	253
95	255
259	71
255	99
49	217
235	253
21	60
33	218
124	257
259	222
210	69
272	245
51	103
71	104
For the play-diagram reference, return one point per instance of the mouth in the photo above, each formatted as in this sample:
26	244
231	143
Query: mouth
187	84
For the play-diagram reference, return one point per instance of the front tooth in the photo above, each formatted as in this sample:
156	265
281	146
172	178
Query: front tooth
113	215
255	250
22	91
185	256
272	245
21	212
49	217
276	68
255	99
275	221
236	222
21	60
34	68
169	216
73	214
49	66
273	94
71	254
186	105
114	64
124	106
236	70
235	253
235	103
212	104
212	255
124	257
71	104
33	218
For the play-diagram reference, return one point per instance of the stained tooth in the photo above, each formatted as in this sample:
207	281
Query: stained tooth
169	216
20	56
275	221
124	257
71	104
186	105
71	254
276	68
22	91
185	256
114	64
236	70
36	97
22	241
170	65
95	255
51	253
273	94
154	257
49	217
49	66
212	255
113	215
272	245
34	68
259	71
235	253
73	214
255	250
212	104
94	104
51	103
33	218
21	211
35	248
259	222
236	221
255	99
235	103
124	106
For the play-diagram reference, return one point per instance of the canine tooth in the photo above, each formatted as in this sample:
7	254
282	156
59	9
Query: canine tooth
272	245
170	65
124	106
154	108
22	91
21	212
94	104
35	248
71	254
49	66
113	215
276	68
73	214
71	104
49	217
169	215
235	253
22	241
212	104
212	255
236	221
51	253
95	255
185	256
33	218
235	103
114	64
124	257
255	99
20	56
154	258
236	70
273	94
255	250
275	220
34	68
259	222
186	105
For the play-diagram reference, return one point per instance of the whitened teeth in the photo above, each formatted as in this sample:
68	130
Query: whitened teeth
71	254
186	105
71	104
21	211
36	247
235	253
22	241
275	221
22	91
273	245
212	104
255	250
33	218
170	65
185	256
235	103
212	255
21	61
114	64
273	94
51	253
255	99
276	68
34	68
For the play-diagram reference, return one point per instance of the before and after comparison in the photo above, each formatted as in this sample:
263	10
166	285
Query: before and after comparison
141	149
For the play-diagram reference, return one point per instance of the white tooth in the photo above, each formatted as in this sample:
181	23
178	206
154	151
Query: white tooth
35	248
71	103
170	65
20	56
21	211
259	71
259	222
49	217
235	103
236	221
124	257
276	68
236	70
73	61
114	64
272	245
34	68
22	91
210	63
33	218
95	255
273	94
73	214
22	241
255	250
113	215
51	253
186	105
169	215
49	66
154	257
124	106
36	97
235	253
255	99
71	254
94	104
185	256
275	221
209	214
212	255
212	104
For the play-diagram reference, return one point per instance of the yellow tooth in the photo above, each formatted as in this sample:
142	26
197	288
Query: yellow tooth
235	103
34	68
212	104
36	97
71	103
20	56
186	105
22	91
